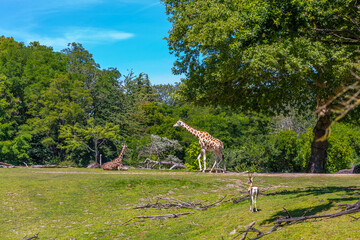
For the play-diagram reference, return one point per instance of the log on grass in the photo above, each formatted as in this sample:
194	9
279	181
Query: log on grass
173	165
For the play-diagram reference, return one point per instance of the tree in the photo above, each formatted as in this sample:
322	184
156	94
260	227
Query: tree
164	93
261	55
14	134
138	92
91	136
14	139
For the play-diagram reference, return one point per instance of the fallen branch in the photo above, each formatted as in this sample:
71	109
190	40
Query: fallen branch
241	199
356	218
173	215
152	163
245	232
261	234
250	228
45	166
32	237
179	204
6	165
217	202
216	170
287	212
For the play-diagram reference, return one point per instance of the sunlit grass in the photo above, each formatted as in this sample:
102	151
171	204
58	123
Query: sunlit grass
89	204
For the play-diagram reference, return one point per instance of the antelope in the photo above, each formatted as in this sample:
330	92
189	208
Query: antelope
253	192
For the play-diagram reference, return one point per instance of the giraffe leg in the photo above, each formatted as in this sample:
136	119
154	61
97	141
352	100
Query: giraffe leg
255	205
250	202
199	160
222	159
204	154
256	194
215	163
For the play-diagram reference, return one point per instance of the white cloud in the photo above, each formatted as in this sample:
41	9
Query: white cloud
148	6
74	34
95	35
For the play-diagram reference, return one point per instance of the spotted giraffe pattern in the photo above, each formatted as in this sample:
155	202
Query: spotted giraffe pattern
206	143
115	164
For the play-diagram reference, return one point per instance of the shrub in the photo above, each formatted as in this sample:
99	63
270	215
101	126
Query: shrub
343	148
191	154
67	163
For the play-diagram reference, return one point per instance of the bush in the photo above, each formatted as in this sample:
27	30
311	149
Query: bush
343	148
251	156
191	154
303	149
67	163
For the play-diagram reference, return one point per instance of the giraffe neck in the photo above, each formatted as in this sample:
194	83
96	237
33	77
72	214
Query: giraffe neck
191	130
119	158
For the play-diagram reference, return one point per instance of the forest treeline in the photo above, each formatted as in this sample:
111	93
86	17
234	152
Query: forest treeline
62	108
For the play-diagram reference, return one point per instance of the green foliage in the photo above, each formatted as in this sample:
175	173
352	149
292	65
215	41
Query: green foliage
249	157
257	55
344	144
68	163
285	144
90	137
191	154
304	149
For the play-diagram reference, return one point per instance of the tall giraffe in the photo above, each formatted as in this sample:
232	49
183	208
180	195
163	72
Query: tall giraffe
117	162
206	143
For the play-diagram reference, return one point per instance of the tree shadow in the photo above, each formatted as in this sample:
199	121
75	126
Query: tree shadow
351	194
298	212
316	191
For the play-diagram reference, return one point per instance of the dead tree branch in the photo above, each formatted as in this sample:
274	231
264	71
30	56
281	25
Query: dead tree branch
173	165
245	232
260	234
356	218
173	203
172	215
6	165
241	199
287	212
32	237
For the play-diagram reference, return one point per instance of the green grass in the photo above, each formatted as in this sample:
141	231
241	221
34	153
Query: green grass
88	204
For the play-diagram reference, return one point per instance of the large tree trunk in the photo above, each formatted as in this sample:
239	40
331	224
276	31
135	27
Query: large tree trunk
319	145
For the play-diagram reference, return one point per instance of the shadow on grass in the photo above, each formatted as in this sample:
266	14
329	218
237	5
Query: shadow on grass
316	191
299	212
351	194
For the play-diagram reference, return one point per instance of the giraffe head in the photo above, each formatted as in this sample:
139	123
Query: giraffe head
178	123
125	147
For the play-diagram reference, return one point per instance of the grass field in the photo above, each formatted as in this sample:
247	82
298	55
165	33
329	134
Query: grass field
93	204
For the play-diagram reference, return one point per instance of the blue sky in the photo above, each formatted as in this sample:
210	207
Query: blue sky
126	34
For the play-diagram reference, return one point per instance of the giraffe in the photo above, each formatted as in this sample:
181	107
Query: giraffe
206	143
117	162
